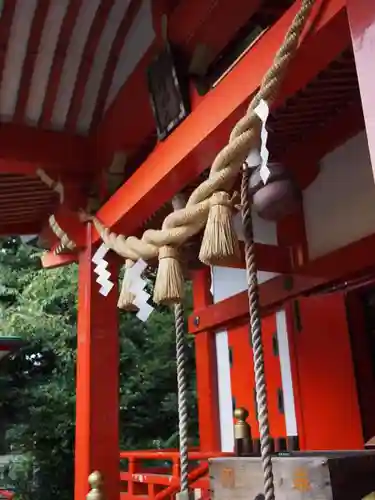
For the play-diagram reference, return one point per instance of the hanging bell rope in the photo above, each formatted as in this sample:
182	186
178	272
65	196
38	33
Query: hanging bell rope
178	203
182	224
285	53
182	397
256	338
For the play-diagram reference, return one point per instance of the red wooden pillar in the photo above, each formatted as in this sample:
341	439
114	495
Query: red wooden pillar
97	406
361	14
206	369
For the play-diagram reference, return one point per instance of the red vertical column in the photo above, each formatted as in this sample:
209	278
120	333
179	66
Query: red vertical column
97	441
206	369
361	14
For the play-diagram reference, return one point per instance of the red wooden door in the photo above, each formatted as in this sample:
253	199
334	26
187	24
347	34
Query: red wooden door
324	380
242	375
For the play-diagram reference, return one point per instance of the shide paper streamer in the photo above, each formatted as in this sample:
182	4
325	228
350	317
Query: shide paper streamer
261	157
137	285
104	275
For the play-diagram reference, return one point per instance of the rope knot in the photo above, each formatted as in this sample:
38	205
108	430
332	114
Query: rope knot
225	199
221	198
168	252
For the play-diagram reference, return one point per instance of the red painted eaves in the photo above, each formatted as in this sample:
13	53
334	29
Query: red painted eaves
130	109
211	23
194	144
49	149
189	23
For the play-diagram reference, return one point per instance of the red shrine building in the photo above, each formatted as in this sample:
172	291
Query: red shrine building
114	107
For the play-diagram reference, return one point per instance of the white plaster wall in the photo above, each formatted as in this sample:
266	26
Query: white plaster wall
228	281
264	231
286	374
224	391
223	373
234	281
339	206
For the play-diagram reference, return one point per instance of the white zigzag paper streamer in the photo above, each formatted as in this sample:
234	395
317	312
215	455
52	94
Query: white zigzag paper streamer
261	157
101	270
136	285
262	110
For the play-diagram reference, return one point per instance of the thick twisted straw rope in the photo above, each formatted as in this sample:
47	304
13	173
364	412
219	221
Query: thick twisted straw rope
65	241
182	224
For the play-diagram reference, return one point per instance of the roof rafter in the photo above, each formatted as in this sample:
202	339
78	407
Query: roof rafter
88	55
65	35
35	36
6	21
114	53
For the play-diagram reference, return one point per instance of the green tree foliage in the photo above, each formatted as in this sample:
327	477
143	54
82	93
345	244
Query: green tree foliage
38	384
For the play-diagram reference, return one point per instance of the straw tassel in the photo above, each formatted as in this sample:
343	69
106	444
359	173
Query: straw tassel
127	297
220	242
169	285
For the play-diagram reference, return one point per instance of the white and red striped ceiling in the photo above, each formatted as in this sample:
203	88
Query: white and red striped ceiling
62	64
64	61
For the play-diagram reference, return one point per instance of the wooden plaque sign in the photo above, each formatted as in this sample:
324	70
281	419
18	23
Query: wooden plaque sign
168	102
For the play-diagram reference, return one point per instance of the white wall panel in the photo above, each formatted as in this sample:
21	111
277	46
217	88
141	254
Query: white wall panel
339	206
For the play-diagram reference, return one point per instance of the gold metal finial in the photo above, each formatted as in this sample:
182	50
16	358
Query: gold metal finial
241	414
96	485
242	433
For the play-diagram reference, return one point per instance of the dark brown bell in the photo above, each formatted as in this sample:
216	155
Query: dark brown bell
277	198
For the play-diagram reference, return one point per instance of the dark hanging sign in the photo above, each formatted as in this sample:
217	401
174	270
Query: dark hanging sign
168	100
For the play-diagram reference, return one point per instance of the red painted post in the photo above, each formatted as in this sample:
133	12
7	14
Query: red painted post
97	406
206	369
361	14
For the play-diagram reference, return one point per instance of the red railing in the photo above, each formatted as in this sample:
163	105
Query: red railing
163	482
6	494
